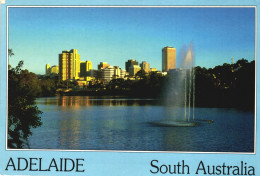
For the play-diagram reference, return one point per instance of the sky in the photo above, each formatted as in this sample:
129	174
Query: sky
116	34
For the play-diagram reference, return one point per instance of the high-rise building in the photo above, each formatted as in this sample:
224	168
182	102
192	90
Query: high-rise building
85	67
69	64
145	66
168	58
130	63
103	65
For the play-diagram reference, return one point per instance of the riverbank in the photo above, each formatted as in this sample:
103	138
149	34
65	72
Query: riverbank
107	94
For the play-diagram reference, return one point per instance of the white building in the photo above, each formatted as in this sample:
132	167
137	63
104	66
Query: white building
108	73
122	73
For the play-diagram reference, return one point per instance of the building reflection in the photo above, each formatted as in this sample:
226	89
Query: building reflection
78	101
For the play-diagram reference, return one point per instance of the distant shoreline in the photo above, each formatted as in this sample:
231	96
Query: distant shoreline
161	100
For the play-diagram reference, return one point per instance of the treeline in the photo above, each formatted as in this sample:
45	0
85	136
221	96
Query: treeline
144	86
228	85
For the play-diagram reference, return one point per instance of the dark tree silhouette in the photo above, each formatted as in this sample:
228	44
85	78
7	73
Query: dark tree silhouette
140	74
23	114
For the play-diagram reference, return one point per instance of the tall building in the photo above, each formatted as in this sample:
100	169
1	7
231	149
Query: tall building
85	67
103	65
168	58
130	63
69	64
145	66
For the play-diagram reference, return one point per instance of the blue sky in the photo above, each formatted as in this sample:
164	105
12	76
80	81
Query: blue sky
114	35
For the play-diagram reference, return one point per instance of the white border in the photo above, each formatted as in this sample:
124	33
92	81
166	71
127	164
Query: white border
130	6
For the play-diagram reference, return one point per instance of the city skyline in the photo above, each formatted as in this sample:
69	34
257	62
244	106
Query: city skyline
114	35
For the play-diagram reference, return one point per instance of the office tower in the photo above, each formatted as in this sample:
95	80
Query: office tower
168	58
133	69
145	66
85	67
103	65
129	63
69	65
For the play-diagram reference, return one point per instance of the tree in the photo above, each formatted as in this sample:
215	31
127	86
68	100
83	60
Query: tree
140	74
116	84
10	53
23	114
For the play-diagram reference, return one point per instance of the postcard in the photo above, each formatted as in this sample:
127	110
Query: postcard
129	88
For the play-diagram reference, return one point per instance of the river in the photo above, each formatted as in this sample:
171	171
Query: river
114	123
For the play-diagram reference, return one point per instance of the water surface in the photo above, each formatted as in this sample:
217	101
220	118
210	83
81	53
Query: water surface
114	123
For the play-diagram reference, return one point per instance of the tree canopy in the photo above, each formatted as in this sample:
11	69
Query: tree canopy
23	114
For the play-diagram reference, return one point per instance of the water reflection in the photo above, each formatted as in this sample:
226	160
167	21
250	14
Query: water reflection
95	100
93	123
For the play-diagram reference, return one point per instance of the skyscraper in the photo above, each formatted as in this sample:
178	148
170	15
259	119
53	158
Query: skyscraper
168	58
129	63
69	65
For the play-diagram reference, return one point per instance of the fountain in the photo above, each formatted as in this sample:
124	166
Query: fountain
181	93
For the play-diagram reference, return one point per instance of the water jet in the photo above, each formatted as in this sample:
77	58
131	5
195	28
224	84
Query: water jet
181	92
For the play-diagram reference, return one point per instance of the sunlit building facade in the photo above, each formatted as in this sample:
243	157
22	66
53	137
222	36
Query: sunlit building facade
122	73
117	72
103	65
69	65
51	69
168	58
47	69
133	69
85	67
153	69
108	73
145	66
55	69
